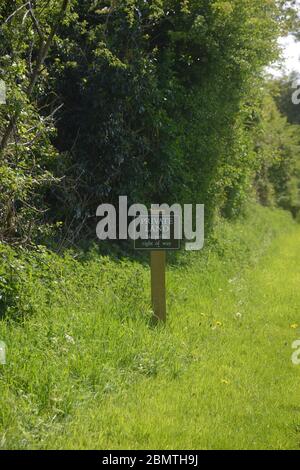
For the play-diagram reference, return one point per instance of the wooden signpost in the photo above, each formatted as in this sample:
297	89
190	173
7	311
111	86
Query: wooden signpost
158	223
158	284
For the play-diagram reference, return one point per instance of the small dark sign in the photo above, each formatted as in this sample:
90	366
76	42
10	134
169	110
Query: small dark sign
161	231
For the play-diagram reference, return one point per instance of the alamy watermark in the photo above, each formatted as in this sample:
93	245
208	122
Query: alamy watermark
2	352
2	92
161	222
296	94
296	353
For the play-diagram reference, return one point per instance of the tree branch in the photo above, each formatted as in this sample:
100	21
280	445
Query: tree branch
35	21
42	55
15	12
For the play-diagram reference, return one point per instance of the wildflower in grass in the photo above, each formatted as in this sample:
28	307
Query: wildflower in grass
225	382
294	326
217	324
70	339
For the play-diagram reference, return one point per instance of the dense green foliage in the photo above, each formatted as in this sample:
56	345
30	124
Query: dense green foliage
159	98
285	89
277	148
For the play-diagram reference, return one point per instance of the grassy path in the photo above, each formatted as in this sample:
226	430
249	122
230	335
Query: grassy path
219	376
233	387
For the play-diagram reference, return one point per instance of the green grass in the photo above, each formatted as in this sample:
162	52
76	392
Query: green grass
85	369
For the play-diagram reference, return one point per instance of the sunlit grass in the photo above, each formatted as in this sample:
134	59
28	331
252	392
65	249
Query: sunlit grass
85	370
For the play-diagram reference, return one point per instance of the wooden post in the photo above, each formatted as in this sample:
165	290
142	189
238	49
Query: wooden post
158	285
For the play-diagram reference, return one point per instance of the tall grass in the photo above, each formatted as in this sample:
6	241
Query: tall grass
86	370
